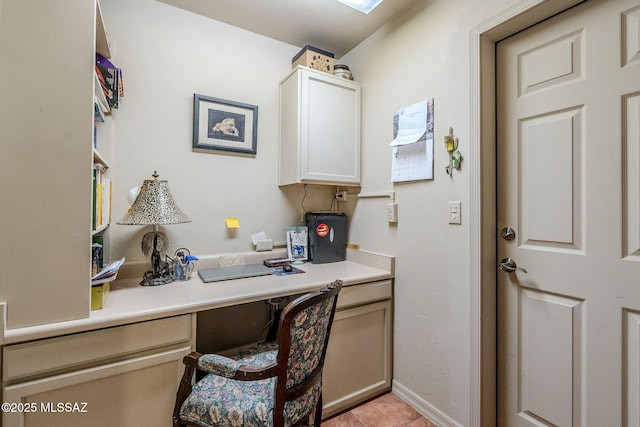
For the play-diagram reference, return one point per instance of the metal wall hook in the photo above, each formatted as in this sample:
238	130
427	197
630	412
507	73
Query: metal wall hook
455	158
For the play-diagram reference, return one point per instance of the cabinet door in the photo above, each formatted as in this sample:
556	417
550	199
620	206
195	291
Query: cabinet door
319	129
358	363
45	133
330	149
134	392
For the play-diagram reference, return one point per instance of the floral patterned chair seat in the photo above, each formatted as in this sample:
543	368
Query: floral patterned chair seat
271	384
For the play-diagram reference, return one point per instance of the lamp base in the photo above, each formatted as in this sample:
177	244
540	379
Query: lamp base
155	244
160	275
149	280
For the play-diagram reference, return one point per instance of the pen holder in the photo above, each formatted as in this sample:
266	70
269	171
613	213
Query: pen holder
182	271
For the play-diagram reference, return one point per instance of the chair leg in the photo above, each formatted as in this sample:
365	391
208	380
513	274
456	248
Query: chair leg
317	414
183	391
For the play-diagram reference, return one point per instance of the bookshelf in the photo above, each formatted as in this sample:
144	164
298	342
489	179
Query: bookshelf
101	176
102	42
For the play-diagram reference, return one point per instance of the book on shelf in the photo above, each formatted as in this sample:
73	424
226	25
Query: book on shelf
109	83
110	79
96	257
97	254
101	203
99	97
108	273
94	205
120	83
106	201
98	113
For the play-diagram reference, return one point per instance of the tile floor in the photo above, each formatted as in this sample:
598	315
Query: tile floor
387	410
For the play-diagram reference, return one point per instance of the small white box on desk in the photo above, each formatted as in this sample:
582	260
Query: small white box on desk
264	245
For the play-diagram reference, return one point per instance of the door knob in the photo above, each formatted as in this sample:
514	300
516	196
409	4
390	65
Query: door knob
508	233
509	266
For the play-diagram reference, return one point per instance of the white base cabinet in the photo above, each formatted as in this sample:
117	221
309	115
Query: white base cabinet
319	129
126	375
358	365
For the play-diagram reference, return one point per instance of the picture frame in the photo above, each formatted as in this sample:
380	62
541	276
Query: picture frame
223	125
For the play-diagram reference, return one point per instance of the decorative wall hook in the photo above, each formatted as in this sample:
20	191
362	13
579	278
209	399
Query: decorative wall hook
455	158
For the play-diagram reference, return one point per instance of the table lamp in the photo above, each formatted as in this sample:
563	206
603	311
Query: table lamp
155	206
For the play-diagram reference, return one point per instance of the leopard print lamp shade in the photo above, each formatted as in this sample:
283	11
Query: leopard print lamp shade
154	206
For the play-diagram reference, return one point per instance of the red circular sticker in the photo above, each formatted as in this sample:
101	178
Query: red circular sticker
322	230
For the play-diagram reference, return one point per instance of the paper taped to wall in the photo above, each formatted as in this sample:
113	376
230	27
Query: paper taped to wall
412	154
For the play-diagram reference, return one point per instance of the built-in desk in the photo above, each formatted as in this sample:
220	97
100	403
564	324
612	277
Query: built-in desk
124	361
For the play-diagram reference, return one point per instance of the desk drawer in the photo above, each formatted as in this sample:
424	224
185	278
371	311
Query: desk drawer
68	352
363	294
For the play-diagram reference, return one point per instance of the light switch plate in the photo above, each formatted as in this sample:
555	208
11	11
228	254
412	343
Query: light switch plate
455	213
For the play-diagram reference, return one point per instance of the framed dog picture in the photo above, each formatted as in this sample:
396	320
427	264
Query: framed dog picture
219	124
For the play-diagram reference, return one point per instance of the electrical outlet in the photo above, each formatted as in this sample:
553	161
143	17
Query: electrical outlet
342	196
392	212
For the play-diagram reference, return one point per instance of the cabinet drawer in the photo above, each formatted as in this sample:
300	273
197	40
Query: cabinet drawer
364	294
71	351
137	391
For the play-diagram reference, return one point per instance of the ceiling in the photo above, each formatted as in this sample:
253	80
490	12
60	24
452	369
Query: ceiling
326	24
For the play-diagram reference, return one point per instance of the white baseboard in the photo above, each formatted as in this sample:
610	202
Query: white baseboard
425	408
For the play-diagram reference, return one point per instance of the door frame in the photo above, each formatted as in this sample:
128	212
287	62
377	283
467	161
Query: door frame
482	166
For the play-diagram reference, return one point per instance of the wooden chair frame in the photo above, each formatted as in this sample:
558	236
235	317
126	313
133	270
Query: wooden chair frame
278	369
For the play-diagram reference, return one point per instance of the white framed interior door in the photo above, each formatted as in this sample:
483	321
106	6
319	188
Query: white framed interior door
568	200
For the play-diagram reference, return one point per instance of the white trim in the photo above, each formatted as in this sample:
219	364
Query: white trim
483	39
422	406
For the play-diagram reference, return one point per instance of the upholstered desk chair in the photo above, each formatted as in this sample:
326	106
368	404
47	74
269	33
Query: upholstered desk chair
272	384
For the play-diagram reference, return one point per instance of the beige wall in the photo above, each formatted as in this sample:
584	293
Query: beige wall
424	54
167	55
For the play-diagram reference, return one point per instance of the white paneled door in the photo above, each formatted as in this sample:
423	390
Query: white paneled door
568	190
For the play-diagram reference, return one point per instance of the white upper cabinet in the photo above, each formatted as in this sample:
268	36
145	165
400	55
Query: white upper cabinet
319	129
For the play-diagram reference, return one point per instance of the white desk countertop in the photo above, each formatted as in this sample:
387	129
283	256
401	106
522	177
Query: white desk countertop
128	302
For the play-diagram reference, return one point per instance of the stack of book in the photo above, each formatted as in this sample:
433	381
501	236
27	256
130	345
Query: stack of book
100	284
109	81
108	273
